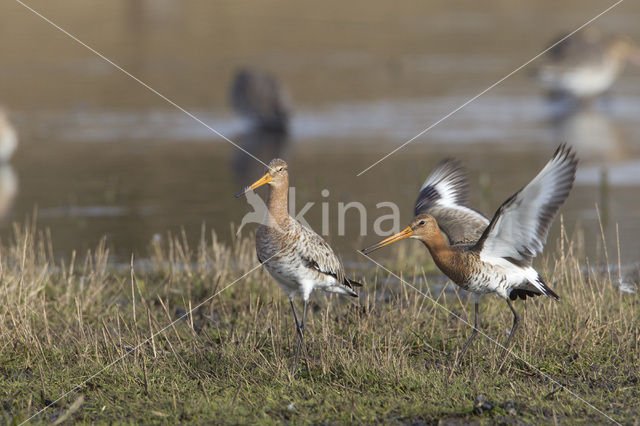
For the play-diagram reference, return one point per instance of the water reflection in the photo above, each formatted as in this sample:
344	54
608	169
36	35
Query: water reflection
592	133
264	144
8	190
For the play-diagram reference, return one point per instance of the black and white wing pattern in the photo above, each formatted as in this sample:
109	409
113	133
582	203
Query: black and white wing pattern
317	254
444	196
519	228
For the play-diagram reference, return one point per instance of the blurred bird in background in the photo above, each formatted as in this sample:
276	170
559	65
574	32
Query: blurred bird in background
585	65
8	179
8	137
263	102
260	99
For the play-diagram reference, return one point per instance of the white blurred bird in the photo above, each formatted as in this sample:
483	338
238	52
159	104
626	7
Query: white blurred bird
8	137
586	64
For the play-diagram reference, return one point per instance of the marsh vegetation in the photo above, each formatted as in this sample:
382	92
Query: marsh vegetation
180	338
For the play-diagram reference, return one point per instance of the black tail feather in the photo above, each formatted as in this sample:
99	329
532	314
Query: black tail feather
352	283
522	293
547	290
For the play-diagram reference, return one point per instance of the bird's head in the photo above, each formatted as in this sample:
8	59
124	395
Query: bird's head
276	175
423	227
624	48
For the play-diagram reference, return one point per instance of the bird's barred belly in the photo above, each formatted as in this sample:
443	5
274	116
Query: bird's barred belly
284	267
291	273
489	280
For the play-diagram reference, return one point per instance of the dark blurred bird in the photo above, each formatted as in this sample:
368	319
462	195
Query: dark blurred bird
586	64
258	97
490	257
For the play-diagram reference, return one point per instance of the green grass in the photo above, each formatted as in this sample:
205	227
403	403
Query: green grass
382	358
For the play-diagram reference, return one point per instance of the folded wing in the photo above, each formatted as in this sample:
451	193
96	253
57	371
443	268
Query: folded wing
317	254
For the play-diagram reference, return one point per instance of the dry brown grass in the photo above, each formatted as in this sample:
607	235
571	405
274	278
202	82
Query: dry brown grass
384	357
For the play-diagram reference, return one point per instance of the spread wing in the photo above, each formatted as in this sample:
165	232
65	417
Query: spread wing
444	196
519	228
318	255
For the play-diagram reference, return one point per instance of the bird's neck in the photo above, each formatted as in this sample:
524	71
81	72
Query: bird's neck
277	205
446	258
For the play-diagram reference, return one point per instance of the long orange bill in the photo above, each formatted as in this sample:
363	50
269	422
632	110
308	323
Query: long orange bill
264	179
405	233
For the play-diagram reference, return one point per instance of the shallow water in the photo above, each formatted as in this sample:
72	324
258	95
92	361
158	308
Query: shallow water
101	155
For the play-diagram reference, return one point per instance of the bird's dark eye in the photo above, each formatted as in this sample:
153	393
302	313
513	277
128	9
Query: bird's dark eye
421	222
279	169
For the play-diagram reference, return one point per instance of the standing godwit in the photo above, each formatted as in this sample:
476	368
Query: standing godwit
586	64
258	97
295	256
499	261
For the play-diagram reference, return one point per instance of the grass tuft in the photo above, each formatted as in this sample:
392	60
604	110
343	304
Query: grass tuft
384	357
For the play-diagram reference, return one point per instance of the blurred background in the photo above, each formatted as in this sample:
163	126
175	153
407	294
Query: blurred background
100	155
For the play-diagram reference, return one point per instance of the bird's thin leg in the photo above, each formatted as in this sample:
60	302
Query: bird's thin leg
300	326
304	315
300	335
295	315
516	320
301	330
466	345
474	332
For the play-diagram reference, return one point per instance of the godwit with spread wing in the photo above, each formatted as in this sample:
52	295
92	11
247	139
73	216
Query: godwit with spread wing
295	256
586	64
490	257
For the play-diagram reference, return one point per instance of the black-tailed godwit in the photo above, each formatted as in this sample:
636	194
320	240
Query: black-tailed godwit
296	257
586	64
490	257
